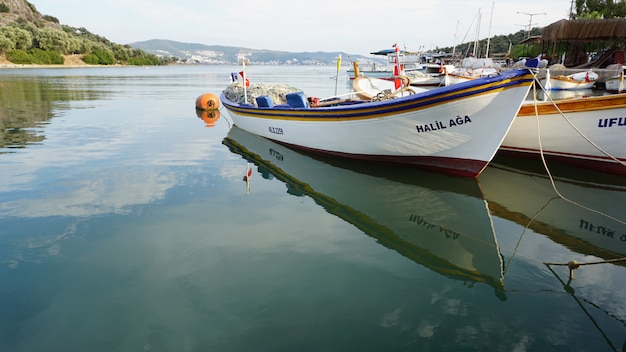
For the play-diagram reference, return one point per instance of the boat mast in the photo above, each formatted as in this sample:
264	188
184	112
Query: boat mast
489	31
455	38
477	34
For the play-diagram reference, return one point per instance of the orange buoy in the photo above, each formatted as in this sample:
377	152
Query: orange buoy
208	102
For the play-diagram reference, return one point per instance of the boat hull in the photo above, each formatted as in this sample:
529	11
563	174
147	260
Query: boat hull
454	129
615	84
557	84
599	119
580	80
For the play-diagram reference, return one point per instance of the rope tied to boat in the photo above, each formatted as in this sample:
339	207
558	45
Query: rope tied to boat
568	121
574	265
543	159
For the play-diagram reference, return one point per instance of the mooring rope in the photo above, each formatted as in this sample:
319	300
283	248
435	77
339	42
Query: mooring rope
572	265
570	122
543	159
519	240
223	109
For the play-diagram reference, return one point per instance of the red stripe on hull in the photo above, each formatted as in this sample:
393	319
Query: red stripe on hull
602	164
450	166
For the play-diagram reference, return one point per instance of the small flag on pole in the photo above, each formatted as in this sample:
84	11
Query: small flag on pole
245	79
397	69
337	75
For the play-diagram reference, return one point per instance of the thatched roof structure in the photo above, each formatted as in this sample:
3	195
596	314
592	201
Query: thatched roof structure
536	39
585	30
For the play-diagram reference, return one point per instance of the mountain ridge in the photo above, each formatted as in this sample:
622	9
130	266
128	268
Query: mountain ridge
197	53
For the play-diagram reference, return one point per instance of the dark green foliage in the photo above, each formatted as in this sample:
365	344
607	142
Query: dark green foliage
104	57
51	19
32	7
90	59
42	57
597	9
144	61
498	45
19	57
35	56
99	57
4	8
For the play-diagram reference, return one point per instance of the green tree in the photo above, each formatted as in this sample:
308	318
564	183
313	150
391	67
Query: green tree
598	9
42	57
6	44
100	56
20	38
51	39
122	53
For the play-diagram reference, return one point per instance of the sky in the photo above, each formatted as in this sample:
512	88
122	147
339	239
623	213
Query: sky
354	27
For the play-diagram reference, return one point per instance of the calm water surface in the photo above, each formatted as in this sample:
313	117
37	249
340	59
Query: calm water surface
126	225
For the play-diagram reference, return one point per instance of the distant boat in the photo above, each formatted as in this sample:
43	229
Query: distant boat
455	129
584	131
590	221
368	88
471	68
615	83
579	80
440	222
410	61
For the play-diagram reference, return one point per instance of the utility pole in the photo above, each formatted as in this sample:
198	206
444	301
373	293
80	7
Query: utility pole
530	21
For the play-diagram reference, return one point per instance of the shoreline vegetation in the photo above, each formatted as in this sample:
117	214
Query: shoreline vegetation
69	61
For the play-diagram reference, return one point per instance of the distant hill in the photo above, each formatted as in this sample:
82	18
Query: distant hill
217	54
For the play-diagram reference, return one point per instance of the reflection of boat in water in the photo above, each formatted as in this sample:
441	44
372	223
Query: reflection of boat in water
440	222
590	223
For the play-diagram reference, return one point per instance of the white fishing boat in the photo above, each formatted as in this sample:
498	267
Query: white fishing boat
410	62
455	129
440	222
615	83
471	68
584	131
578	80
423	79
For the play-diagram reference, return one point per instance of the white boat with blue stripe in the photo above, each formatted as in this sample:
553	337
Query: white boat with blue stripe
455	129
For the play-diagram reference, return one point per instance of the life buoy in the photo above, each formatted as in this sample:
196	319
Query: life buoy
207	102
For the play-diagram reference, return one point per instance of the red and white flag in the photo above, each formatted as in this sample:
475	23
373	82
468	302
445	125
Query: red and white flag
245	79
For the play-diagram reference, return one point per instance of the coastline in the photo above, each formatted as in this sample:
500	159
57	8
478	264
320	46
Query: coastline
70	61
